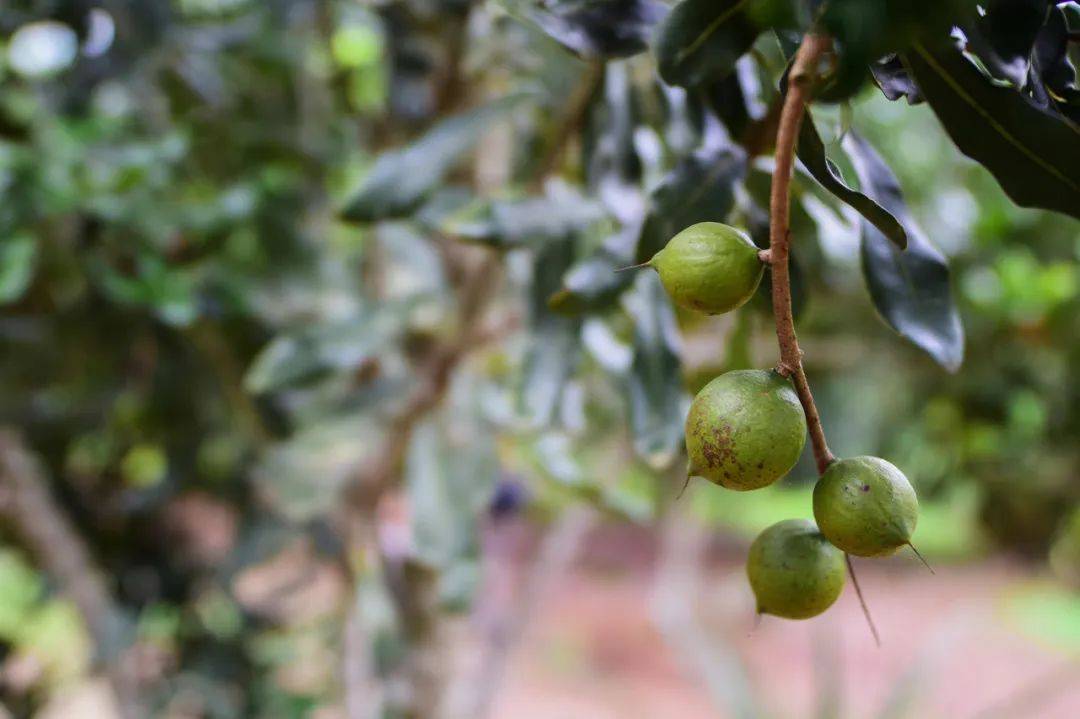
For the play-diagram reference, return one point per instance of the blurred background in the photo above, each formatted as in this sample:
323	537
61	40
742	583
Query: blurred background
273	448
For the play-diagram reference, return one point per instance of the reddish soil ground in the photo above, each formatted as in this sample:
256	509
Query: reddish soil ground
595	652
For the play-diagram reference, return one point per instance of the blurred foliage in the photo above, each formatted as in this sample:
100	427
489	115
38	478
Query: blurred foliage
223	237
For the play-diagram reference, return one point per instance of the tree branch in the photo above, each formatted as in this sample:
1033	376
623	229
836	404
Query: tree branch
432	382
791	116
46	532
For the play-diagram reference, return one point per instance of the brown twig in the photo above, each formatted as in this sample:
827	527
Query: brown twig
791	116
799	81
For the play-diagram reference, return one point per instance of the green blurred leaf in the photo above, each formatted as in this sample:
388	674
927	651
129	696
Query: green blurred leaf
300	356
18	258
400	179
1046	612
596	282
1032	152
144	466
449	486
554	343
20	590
303	476
655	378
560	212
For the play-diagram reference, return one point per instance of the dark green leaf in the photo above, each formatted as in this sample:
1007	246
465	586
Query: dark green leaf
701	188
1004	36
700	40
727	99
1052	67
811	151
910	288
655	380
1033	153
599	28
400	179
895	82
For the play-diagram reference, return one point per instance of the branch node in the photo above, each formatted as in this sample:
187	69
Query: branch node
765	256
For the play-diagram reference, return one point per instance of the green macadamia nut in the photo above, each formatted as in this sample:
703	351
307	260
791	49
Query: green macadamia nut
866	506
709	267
794	571
745	429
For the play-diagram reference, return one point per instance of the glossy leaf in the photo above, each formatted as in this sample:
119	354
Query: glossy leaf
655	379
1032	152
599	28
400	179
910	288
700	40
1004	36
811	151
1052	67
895	82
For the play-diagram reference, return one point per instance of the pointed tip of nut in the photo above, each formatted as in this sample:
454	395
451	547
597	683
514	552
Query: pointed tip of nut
634	267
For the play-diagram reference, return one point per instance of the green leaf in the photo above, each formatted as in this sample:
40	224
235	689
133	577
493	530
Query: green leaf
700	40
655	380
400	179
554	343
1033	153
294	358
910	288
529	220
303	476
449	488
596	282
811	151
18	258
597	28
701	188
